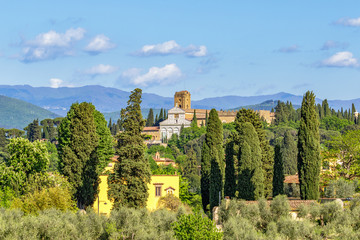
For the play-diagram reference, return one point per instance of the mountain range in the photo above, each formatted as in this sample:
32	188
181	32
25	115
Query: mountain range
110	100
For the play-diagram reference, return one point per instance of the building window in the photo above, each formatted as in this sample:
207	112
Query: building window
157	191
176	115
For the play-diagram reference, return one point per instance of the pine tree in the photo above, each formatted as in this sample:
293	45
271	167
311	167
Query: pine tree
279	177
212	162
45	133
150	118
194	120
77	152
289	154
309	162
128	182
250	177
248	115
326	108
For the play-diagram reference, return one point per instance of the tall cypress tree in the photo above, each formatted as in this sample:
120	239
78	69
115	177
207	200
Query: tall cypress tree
206	118
150	118
231	152
279	177
77	152
128	182
250	176
194	120
248	115
212	162
289	154
309	162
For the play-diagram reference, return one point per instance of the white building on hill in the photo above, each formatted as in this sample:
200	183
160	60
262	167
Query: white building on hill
172	125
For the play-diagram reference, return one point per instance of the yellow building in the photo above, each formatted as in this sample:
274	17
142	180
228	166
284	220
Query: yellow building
159	186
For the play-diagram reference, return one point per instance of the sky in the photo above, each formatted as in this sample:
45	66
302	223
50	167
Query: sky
210	48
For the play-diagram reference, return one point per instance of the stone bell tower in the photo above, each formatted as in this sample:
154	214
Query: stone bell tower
182	100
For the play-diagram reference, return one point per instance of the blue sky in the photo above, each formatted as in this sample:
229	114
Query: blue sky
211	48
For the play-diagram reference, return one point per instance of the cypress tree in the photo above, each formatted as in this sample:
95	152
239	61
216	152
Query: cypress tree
194	120
289	154
231	152
45	130
156	120
309	162
128	182
52	130
110	126
248	115
77	152
250	177
161	115
279	177
326	108
212	162
150	118
206	118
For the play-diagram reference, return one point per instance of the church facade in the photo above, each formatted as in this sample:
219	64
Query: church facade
172	125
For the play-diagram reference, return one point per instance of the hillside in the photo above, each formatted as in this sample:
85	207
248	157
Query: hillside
18	114
267	105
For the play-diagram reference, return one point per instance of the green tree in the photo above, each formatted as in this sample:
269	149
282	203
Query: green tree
191	170
128	182
289	154
279	177
250	176
326	108
309	161
248	115
212	161
150	118
194	123
33	131
231	152
78	159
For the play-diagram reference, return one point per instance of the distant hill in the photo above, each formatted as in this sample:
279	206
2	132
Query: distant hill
267	105
15	113
108	100
116	115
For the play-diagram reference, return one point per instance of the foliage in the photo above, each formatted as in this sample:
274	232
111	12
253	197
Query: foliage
53	157
150	118
267	159
53	197
309	162
187	197
341	188
6	196
250	175
78	158
170	202
334	123
279	177
289	154
195	226
128	182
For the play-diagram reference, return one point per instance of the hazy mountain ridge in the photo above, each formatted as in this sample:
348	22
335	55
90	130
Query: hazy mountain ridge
107	99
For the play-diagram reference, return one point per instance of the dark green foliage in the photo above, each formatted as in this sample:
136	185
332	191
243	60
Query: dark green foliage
3	143
289	154
48	129
78	159
309	161
128	183
191	171
33	131
279	177
341	188
334	123
150	118
230	175
212	164
326	109
250	174
248	115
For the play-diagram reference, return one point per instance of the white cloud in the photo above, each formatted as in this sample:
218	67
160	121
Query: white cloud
352	22
171	47
55	82
99	44
100	69
51	45
341	59
168	74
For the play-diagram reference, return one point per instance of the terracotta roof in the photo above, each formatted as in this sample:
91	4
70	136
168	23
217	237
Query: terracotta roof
292	179
151	129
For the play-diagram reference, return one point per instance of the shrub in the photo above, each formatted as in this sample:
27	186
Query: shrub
195	226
